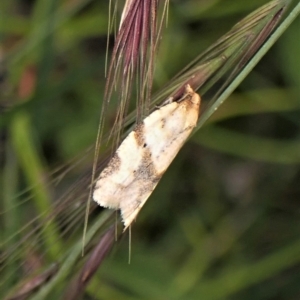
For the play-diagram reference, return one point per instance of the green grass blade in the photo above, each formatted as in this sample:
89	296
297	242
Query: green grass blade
247	146
252	63
32	166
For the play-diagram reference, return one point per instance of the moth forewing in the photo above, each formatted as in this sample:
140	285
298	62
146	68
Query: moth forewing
168	134
144	155
115	177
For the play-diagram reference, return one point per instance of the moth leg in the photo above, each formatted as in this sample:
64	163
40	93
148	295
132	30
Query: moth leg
166	102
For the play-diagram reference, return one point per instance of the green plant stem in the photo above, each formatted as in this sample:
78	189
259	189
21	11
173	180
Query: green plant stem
34	171
68	264
252	63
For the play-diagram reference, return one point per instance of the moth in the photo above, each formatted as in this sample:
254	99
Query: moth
145	154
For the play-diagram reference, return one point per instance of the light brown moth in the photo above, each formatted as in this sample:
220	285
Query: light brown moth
142	158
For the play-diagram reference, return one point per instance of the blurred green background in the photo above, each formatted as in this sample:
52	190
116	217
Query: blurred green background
223	222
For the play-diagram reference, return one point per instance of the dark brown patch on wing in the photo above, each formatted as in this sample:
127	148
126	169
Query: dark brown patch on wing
147	174
113	166
139	134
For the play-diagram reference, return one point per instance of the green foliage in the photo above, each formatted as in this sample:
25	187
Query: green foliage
223	222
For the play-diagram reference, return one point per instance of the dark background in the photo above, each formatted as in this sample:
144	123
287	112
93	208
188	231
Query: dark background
223	222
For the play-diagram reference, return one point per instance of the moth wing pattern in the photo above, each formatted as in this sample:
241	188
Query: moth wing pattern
170	128
118	175
144	155
131	206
